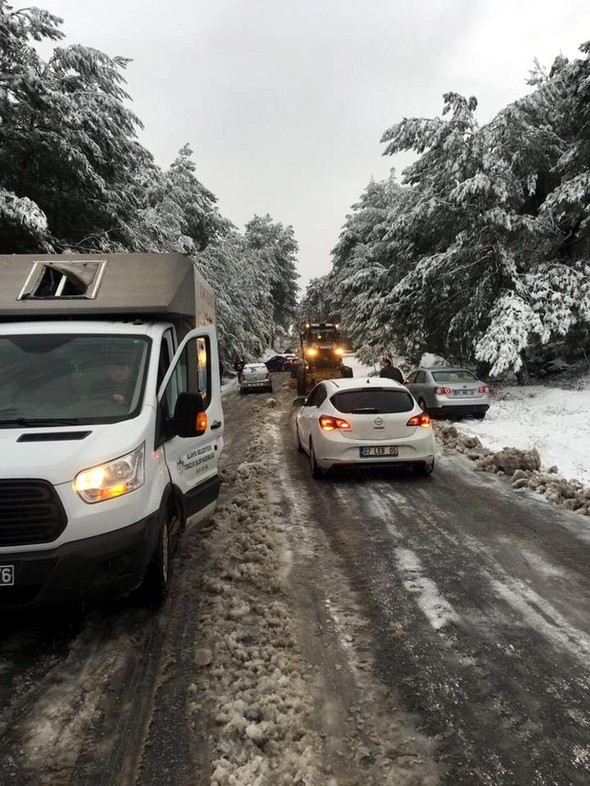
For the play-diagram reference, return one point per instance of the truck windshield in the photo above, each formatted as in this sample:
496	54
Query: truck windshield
71	378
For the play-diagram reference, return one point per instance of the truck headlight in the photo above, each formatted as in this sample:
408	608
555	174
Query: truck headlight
311	351
339	351
113	478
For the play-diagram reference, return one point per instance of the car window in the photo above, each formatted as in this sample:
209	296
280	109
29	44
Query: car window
456	375
321	396
373	400
312	398
412	376
420	377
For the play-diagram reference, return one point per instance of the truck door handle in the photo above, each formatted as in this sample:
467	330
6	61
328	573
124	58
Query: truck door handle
216	424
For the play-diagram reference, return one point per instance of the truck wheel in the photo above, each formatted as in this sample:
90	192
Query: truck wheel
301	381
157	578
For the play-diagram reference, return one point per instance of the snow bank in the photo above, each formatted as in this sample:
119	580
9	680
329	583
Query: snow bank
359	369
523	467
554	421
428	360
253	690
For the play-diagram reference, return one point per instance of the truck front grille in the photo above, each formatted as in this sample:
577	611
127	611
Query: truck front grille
30	512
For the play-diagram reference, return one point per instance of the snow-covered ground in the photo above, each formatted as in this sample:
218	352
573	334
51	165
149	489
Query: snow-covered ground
358	369
553	420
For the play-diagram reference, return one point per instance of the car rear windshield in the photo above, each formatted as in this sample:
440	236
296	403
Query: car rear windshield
459	375
258	367
372	401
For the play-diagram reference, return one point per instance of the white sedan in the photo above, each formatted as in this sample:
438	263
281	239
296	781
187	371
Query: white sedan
374	421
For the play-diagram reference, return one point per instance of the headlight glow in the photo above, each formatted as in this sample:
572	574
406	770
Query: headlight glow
339	351
311	351
113	478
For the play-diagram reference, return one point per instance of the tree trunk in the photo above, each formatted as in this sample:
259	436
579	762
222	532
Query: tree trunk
522	375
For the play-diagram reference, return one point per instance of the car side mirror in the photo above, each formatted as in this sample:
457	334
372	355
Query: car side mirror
299	402
190	418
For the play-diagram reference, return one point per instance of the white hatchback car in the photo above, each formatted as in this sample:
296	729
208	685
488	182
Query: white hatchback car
374	421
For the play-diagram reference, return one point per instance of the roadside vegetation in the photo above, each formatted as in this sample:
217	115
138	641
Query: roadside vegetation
74	177
481	253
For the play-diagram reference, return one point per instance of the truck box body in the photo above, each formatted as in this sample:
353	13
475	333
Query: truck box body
105	286
99	364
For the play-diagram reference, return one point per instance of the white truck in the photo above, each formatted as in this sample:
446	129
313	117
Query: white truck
111	423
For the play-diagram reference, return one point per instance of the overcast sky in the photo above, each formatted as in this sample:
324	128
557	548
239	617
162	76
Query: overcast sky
284	101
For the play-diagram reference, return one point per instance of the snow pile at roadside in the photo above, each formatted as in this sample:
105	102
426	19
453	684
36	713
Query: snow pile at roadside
253	687
554	421
523	467
359	369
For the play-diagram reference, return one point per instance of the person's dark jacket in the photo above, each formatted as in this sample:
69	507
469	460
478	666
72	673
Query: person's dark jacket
392	372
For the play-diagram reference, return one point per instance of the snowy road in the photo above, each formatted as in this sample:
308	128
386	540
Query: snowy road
356	630
474	602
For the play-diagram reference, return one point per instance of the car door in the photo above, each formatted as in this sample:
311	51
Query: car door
193	461
306	415
410	381
417	389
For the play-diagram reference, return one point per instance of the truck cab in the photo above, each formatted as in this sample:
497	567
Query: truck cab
111	423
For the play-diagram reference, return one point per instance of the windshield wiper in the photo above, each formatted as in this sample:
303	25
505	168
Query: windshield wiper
25	422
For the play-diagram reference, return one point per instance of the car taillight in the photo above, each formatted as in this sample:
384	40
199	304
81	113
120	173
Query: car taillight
442	391
267	375
423	420
328	423
483	389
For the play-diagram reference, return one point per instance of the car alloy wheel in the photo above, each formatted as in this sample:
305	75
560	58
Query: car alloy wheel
316	472
425	469
298	440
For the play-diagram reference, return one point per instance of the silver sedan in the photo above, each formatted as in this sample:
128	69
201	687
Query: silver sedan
449	392
255	376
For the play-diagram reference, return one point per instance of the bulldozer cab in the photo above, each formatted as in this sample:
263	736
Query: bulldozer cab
321	352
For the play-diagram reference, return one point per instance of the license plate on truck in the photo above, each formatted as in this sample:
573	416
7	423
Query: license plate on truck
388	450
6	575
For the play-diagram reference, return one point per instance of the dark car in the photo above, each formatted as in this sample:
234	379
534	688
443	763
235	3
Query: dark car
277	363
283	362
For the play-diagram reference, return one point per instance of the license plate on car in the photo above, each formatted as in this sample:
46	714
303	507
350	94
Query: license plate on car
378	450
468	392
6	575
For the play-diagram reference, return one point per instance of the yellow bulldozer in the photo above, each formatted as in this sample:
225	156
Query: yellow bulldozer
322	352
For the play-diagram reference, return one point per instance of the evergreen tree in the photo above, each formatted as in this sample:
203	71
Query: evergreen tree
276	249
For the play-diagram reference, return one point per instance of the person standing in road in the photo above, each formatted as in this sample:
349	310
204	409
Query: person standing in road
389	371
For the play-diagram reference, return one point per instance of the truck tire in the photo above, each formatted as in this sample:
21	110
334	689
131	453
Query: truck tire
301	381
156	581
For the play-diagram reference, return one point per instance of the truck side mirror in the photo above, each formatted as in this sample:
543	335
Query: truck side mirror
190	418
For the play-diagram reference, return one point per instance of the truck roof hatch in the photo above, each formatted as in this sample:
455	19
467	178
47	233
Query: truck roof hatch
90	286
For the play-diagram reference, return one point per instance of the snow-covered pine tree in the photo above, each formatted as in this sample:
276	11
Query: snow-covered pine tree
276	249
67	140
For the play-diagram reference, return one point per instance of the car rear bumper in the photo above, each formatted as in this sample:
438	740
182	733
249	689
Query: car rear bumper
104	566
264	384
343	452
458	410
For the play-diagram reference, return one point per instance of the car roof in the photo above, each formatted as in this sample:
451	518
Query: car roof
361	383
445	368
254	365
